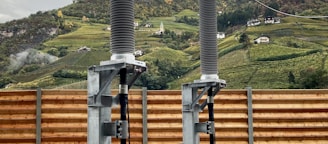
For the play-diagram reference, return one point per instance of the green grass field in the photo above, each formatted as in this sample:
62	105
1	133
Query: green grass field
90	35
188	13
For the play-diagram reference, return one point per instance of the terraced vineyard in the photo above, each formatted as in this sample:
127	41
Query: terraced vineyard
295	44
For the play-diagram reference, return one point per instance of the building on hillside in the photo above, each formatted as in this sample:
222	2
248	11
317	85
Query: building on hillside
109	28
138	53
136	25
276	20
148	25
253	22
83	49
220	35
269	20
262	39
161	30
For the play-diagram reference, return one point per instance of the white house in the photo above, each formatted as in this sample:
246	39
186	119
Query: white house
109	28
148	25
269	20
138	53
83	49
262	39
276	20
136	25
253	22
220	35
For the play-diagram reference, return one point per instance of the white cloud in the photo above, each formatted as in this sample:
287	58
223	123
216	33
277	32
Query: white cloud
16	9
5	17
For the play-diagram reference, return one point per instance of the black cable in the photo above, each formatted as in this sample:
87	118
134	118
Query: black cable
210	105
123	97
128	121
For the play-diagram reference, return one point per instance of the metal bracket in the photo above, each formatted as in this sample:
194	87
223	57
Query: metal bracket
122	129
206	86
106	100
195	101
205	127
113	67
119	129
203	105
109	128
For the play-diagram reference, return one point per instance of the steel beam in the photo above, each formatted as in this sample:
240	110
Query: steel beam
100	101
144	116
191	109
250	115
38	115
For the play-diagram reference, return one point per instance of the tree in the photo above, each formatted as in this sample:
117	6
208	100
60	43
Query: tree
85	19
60	14
53	52
243	38
60	19
312	79
269	12
4	81
291	77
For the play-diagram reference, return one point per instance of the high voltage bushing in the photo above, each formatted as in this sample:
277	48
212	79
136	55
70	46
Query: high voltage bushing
122	28
208	41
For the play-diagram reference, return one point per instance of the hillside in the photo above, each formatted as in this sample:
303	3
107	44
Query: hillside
298	47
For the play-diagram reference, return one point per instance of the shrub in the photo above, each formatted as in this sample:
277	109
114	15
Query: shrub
70	74
288	56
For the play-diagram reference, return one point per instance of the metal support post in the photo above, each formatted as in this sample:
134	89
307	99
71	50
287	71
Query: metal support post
144	116
100	101
191	109
38	115
190	116
96	113
250	115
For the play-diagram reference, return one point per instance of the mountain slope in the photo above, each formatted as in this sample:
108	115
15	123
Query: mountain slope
296	45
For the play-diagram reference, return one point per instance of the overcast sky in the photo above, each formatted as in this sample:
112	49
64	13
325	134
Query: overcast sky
16	9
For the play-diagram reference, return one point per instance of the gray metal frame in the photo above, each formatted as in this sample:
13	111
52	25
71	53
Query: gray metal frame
250	115
100	101
38	116
144	116
191	109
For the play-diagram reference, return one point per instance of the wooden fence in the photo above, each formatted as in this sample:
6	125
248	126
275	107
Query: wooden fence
241	117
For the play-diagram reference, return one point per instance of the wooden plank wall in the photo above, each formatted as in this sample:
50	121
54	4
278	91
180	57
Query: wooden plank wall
280	117
17	117
165	117
289	116
64	116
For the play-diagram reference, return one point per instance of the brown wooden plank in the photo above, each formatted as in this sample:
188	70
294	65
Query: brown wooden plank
14	136
17	97
293	142
289	91
291	124
291	101
296	134
17	140
16	116
17	126
18	93
297	105
17	111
